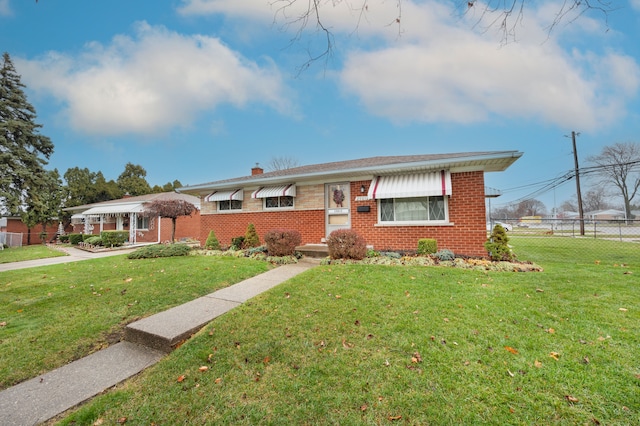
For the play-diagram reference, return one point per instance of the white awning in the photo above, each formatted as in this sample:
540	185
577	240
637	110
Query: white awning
275	191
237	194
77	216
413	185
114	209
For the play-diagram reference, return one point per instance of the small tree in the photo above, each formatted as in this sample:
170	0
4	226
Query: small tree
251	238
172	209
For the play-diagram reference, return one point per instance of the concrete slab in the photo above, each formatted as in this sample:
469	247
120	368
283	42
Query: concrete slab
163	331
245	290
39	399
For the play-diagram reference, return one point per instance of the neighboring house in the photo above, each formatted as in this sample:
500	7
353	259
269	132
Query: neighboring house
126	214
15	228
391	201
609	214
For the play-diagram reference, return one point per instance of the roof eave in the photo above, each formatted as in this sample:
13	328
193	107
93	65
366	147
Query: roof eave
490	162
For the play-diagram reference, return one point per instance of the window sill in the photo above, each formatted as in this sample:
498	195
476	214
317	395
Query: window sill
422	224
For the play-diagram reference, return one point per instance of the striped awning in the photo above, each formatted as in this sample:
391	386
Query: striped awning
275	191
114	209
236	194
412	185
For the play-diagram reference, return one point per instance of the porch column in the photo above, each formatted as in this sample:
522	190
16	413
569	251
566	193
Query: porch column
133	223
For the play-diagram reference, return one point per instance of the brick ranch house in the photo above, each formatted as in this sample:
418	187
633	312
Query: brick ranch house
391	201
126	214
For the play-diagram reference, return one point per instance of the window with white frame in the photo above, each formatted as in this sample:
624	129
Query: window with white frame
278	202
414	209
226	205
142	222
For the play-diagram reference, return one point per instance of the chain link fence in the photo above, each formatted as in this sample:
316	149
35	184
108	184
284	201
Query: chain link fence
10	239
588	239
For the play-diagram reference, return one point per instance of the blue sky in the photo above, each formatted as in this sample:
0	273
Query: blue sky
202	90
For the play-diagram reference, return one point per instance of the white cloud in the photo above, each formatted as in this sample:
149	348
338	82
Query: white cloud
152	82
5	8
439	66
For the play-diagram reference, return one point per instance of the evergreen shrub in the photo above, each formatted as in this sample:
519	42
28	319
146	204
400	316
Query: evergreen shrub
427	246
160	250
114	238
346	244
237	243
75	239
94	240
212	242
282	242
498	245
251	238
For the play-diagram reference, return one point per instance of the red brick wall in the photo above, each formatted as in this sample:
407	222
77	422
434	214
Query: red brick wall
15	225
310	224
466	212
466	235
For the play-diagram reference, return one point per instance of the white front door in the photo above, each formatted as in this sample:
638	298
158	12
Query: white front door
338	206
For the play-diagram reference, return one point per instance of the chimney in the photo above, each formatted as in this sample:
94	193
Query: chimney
257	170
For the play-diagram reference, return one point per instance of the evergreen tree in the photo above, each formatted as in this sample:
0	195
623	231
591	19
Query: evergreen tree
23	151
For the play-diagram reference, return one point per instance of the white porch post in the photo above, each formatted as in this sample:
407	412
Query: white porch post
133	223
86	223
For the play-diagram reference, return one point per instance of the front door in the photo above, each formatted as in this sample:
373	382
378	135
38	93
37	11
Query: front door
338	211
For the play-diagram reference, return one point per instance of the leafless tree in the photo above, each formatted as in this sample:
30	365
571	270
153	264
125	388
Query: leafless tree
619	164
281	163
505	15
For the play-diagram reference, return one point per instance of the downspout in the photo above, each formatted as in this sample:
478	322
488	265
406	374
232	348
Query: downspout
159	222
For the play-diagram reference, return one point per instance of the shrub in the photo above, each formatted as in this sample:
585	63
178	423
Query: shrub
85	237
498	245
114	238
160	250
212	242
75	239
94	240
444	255
64	238
346	244
251	238
237	243
282	242
427	246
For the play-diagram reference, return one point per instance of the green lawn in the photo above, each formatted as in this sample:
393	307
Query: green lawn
18	254
52	315
410	345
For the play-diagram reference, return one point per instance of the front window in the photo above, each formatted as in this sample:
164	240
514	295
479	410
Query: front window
142	222
419	209
229	205
278	202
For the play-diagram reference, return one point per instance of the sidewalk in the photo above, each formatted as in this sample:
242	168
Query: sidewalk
75	255
145	343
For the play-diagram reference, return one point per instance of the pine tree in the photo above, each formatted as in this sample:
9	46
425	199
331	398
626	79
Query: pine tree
23	151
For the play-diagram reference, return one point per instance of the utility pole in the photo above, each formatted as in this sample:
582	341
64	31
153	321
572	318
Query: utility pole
575	159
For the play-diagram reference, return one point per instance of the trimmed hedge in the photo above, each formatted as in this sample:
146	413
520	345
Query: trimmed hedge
282	242
212	242
114	238
160	250
427	246
75	239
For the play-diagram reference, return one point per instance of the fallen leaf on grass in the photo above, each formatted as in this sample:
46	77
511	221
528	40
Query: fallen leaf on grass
98	422
203	368
218	380
393	418
623	309
363	407
551	331
122	420
416	358
3	324
181	378
128	280
512	350
537	364
585	360
554	355
510	373
571	399
346	344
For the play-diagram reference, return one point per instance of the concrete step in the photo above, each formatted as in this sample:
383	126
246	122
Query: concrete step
314	250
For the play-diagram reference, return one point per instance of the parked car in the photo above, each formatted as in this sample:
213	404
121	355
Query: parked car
507	227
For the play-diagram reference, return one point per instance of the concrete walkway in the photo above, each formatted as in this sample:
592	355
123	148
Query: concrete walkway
74	255
145	343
